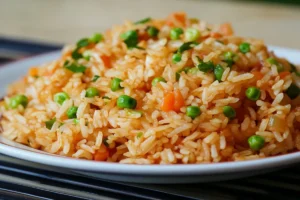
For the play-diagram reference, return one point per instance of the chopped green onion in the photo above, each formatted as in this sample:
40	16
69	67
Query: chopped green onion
76	55
186	46
228	58
191	34
253	93
105	142
76	68
139	135
193	111
61	97
244	47
95	78
17	100
71	112
115	84
176	57
83	43
294	69
143	21
206	66
134	112
175	33
229	112
152	31
106	97
218	71
86	55
50	123
293	91
256	142
125	101
91	92
157	80
130	38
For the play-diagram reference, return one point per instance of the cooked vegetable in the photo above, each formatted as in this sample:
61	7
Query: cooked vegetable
191	34
193	111
256	142
152	31
176	57
91	92
50	123
125	101
130	38
157	80
95	78
71	112
143	21
97	37
253	93
229	112
293	91
279	66
75	68
244	47
218	71
175	33
17	100
61	97
115	84
206	66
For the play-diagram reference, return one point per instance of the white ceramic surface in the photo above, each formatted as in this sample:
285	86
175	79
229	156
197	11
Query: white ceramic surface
140	173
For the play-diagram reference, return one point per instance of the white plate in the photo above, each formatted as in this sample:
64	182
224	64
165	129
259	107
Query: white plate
140	173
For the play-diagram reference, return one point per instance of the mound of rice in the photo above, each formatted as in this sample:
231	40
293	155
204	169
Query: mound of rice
159	129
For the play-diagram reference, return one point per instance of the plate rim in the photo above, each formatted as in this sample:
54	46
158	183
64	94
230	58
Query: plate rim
153	169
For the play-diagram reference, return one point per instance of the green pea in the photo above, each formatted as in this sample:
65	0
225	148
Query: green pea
175	33
206	66
253	93
18	100
279	66
244	47
229	112
152	31
191	34
157	80
125	101
193	111
91	92
256	142
97	37
218	71
71	112
115	84
61	97
176	57
293	91
50	123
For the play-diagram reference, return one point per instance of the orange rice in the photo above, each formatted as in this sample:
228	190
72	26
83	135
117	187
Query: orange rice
158	130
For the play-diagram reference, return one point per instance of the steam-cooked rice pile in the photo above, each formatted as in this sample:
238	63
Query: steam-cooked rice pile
195	94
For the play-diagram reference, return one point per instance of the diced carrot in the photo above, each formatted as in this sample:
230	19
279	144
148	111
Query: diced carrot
226	29
258	75
179	100
33	71
106	60
168	102
282	75
176	18
215	35
102	154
